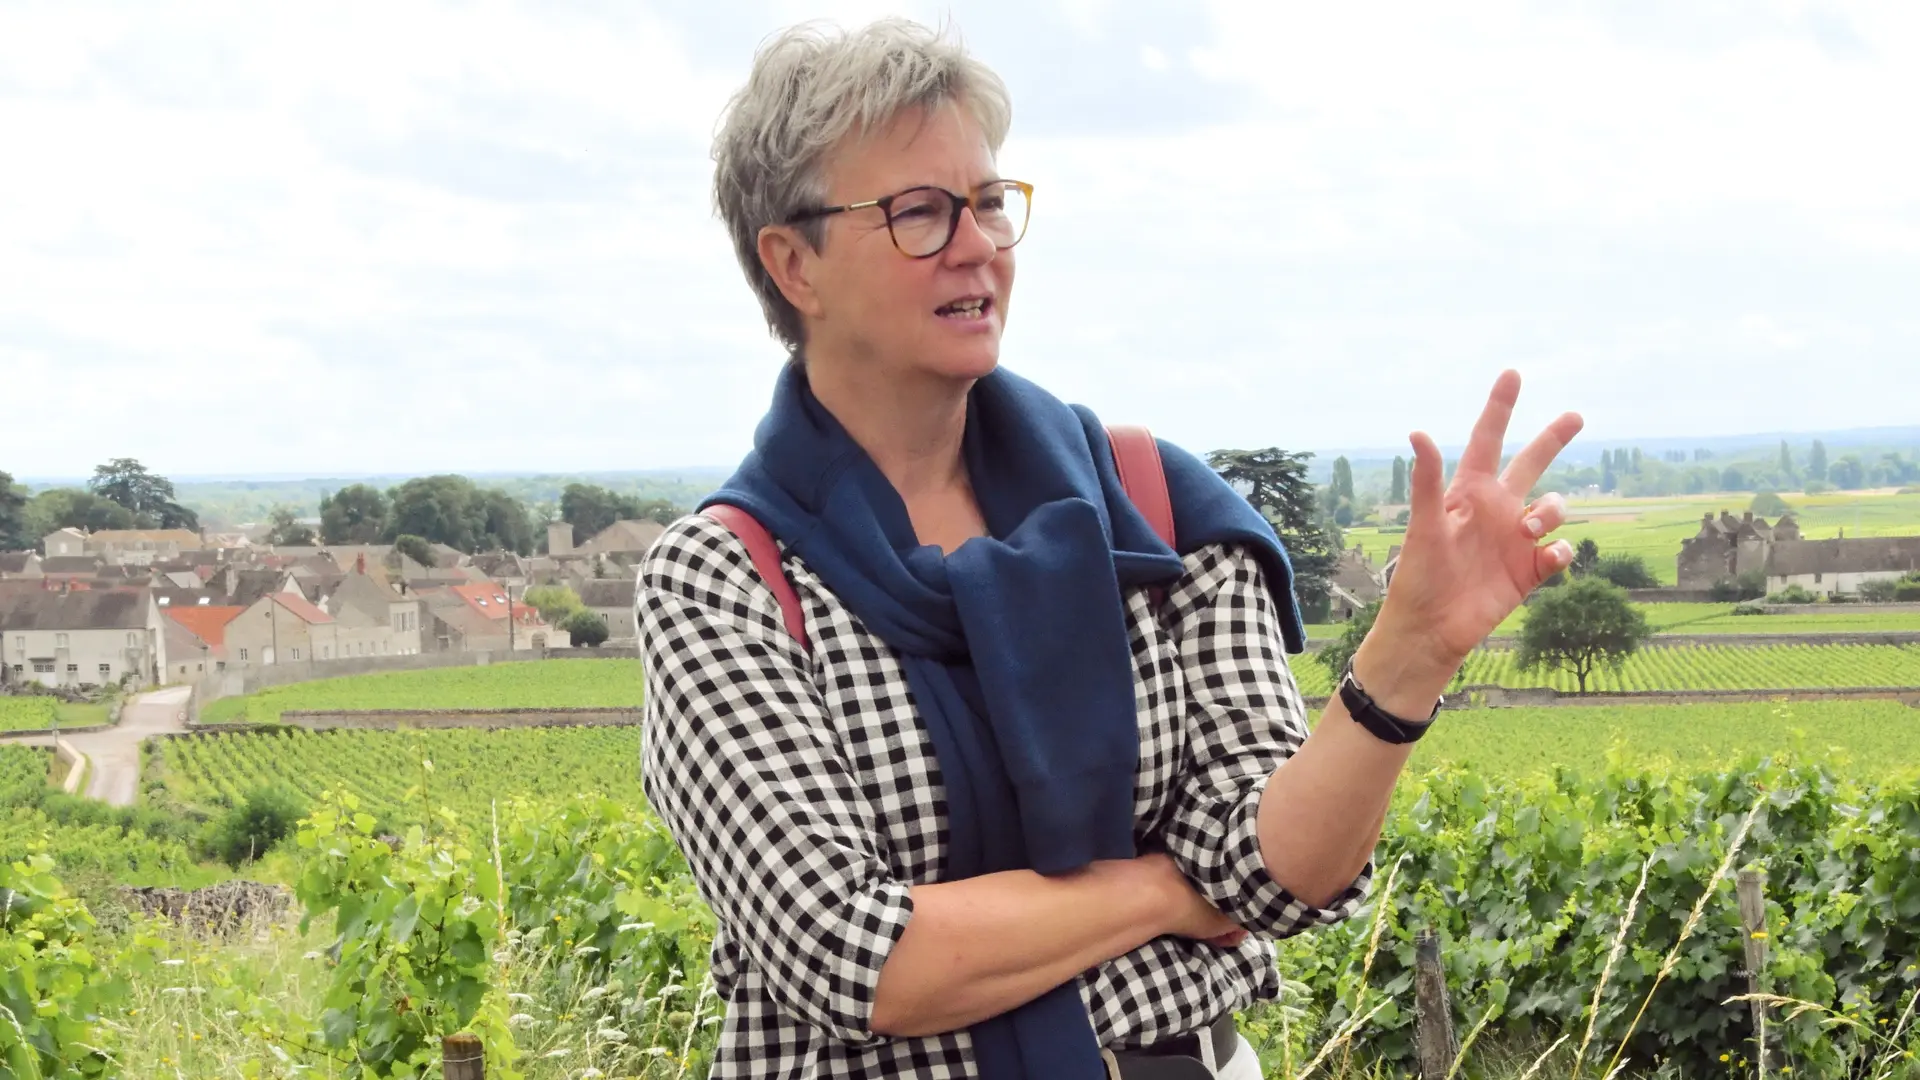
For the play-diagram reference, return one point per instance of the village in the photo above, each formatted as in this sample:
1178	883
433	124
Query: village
139	607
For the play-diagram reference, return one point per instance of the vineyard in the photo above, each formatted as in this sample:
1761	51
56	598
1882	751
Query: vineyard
1690	667
398	775
522	684
26	713
23	771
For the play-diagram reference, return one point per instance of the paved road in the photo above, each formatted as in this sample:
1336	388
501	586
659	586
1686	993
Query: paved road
115	753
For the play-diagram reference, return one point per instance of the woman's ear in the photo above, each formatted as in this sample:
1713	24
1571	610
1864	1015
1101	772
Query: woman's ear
791	262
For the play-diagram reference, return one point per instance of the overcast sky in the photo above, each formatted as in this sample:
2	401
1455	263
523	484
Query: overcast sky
330	238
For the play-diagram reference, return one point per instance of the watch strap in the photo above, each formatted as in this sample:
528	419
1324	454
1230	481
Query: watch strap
1383	724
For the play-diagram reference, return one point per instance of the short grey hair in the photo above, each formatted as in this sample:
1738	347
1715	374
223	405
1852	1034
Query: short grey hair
811	87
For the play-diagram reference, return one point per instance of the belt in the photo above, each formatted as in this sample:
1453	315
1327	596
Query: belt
1178	1058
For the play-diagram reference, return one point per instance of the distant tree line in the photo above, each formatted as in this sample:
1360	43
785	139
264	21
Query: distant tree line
1629	472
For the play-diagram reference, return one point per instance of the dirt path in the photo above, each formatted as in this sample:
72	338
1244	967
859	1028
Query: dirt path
114	754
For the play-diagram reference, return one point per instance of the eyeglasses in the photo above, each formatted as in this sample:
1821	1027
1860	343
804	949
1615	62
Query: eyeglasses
922	220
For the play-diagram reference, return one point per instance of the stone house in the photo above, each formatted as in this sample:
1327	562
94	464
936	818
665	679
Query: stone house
623	542
1726	547
374	618
280	628
124	547
65	543
612	600
1354	583
81	637
206	625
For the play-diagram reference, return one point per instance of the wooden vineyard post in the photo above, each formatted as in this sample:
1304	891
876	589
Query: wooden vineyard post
463	1058
1750	886
1432	1010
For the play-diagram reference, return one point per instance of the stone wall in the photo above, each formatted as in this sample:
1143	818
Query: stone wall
319	720
1670	596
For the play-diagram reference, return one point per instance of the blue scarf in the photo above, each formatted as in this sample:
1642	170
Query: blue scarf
1016	645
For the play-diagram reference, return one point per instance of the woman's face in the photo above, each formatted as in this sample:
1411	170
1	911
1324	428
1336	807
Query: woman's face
892	313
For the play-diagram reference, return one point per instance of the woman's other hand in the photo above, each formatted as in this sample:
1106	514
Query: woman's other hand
1188	914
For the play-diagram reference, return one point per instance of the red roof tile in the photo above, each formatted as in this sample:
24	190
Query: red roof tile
208	623
301	607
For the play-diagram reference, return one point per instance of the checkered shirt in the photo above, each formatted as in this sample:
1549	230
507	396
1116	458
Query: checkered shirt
805	793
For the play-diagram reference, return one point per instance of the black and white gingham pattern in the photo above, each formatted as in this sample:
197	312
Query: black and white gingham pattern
807	798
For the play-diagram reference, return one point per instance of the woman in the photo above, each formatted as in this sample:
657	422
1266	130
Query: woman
1035	794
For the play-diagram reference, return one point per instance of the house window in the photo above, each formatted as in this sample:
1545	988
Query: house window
43	667
106	671
133	640
243	656
59	641
1816	579
16	669
296	652
20	643
73	669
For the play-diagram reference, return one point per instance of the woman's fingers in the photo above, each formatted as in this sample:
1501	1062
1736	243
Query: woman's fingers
1428	483
1530	464
1548	513
1550	559
1490	432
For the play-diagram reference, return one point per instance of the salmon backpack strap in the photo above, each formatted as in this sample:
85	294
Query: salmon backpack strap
1137	457
766	561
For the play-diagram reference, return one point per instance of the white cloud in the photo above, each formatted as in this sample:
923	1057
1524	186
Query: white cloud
242	238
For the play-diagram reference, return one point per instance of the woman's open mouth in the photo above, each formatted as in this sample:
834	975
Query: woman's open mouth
970	309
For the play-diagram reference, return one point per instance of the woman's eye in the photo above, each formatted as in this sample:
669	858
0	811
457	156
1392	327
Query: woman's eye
913	213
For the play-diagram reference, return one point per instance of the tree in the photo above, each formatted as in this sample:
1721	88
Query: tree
583	627
505	523
1397	494
1817	462
1848	474
147	495
1626	571
590	508
416	548
1636	461
70	508
356	514
1342	478
1580	628
1786	460
1275	482
553	602
287	528
1767	504
1608	482
1878	590
1586	557
13	515
661	510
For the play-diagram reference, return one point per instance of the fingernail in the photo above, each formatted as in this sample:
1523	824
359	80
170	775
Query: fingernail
1536	526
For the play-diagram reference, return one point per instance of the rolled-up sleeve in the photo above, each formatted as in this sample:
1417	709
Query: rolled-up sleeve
1244	718
739	762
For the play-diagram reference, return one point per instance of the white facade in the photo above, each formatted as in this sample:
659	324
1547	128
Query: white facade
1829	584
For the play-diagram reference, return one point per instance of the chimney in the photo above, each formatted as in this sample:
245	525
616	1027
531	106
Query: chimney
560	538
1747	518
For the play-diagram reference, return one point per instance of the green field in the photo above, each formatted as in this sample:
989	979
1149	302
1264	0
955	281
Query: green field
1653	527
1690	667
527	684
1720	619
398	774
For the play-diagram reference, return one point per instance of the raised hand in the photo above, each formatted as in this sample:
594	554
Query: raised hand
1474	549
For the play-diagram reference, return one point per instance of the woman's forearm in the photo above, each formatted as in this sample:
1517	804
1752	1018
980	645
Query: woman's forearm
1322	811
976	948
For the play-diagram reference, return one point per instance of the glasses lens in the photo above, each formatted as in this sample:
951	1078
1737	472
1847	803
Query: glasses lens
920	220
1001	209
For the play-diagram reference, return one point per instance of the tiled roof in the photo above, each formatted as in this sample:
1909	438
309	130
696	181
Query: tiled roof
70	564
301	607
15	562
1857	555
150	536
209	623
634	537
92	609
